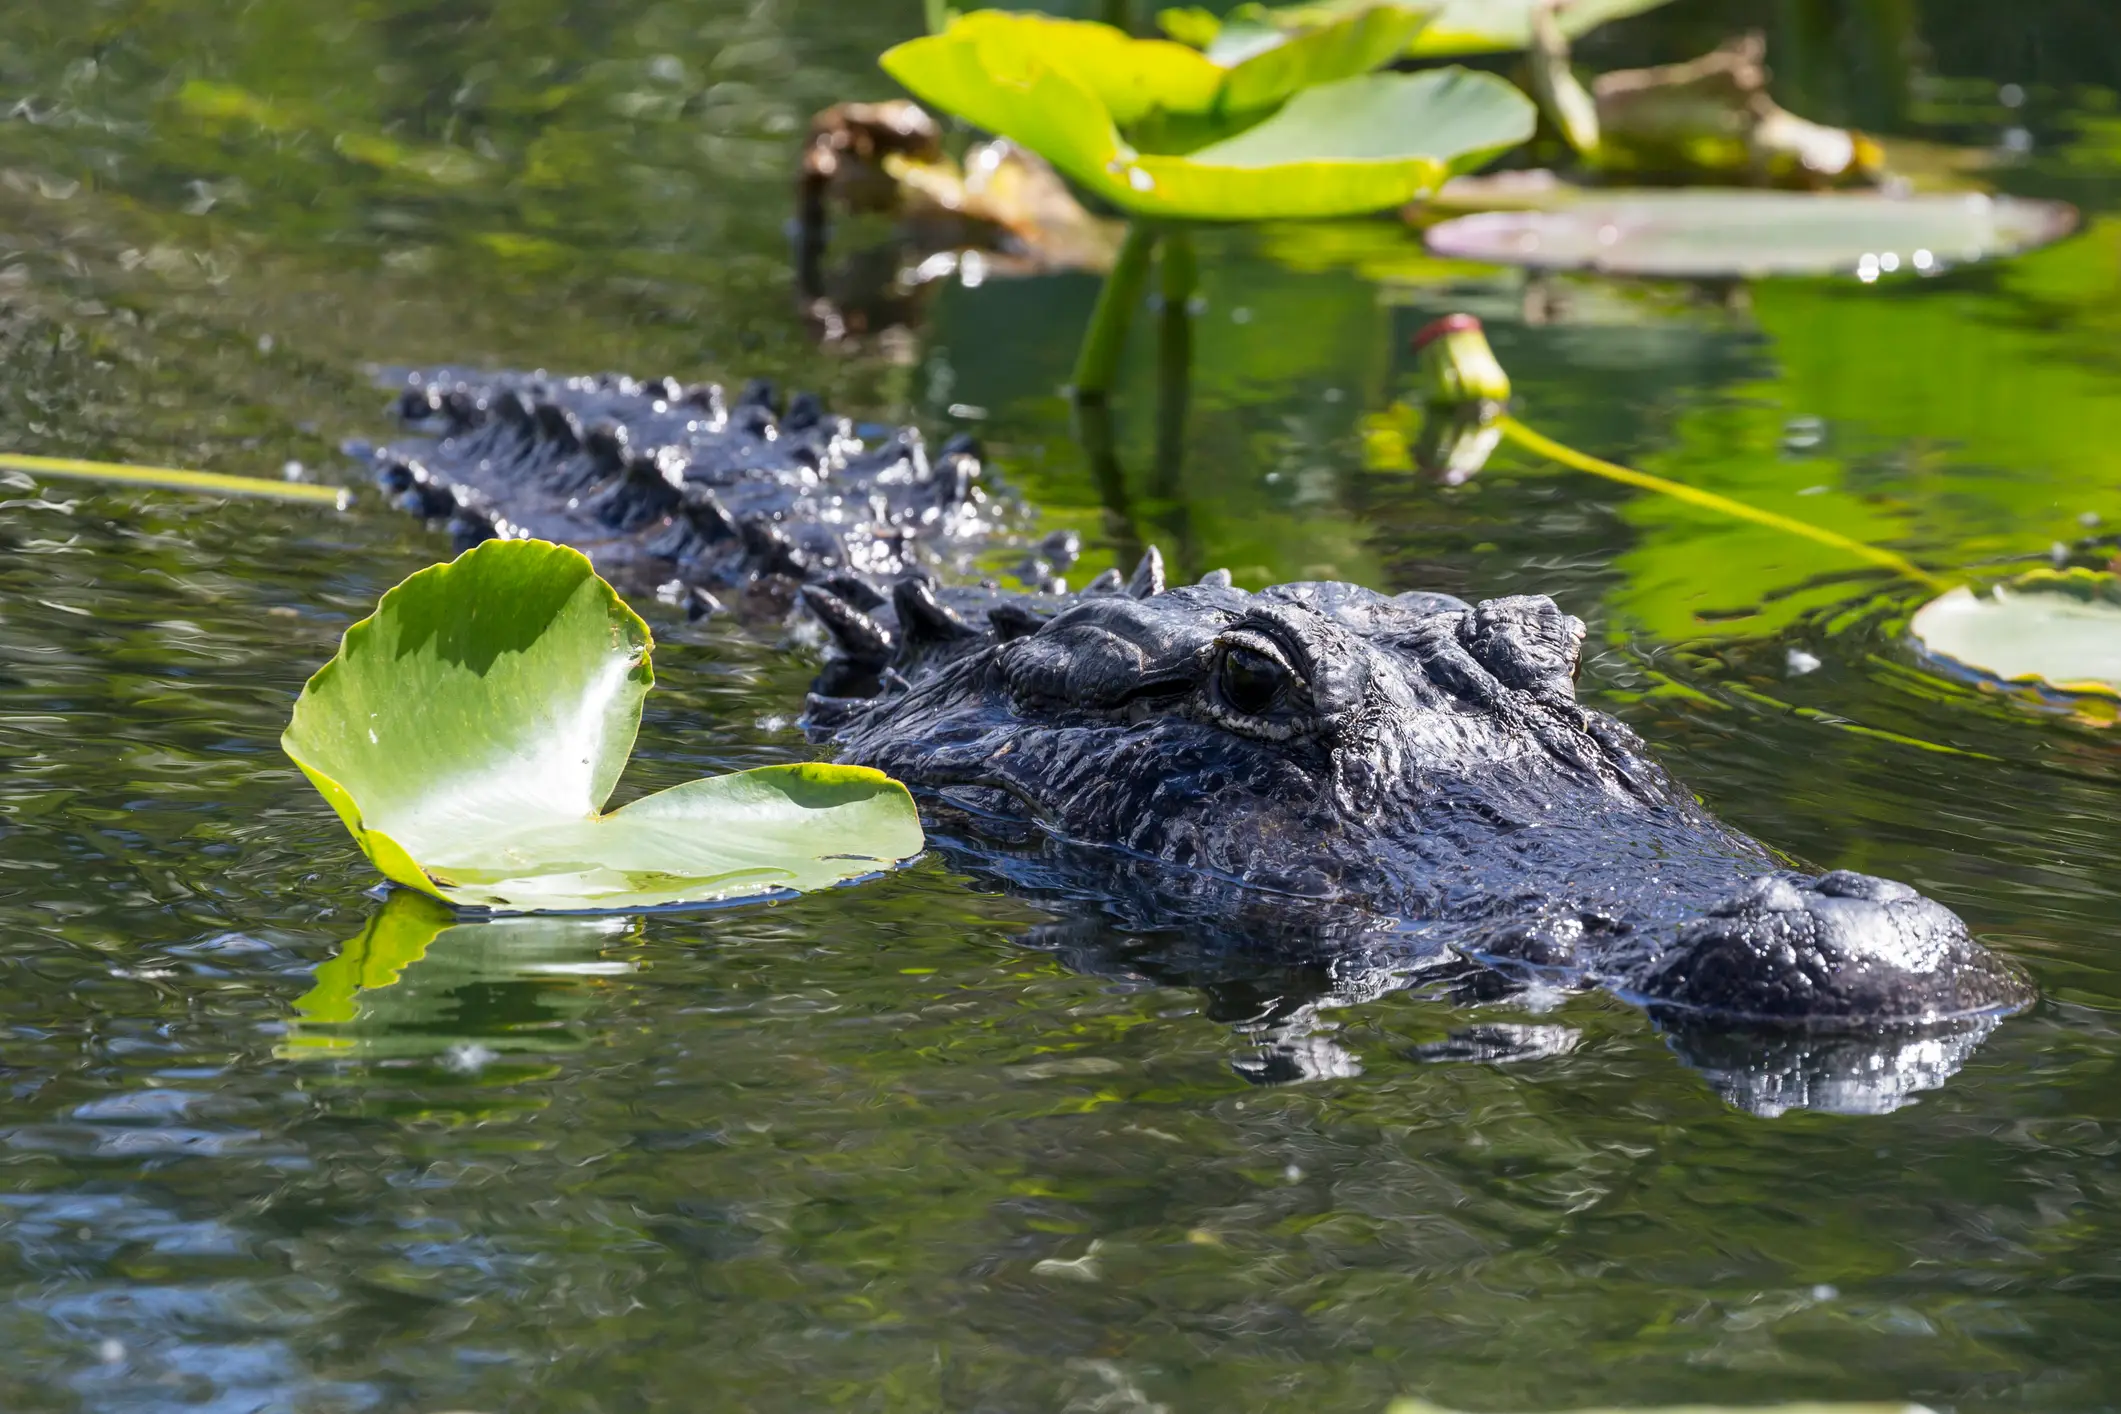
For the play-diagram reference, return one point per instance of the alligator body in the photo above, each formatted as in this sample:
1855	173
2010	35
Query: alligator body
1377	790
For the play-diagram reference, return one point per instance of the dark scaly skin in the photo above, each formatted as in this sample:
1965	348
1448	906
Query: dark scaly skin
681	490
1379	791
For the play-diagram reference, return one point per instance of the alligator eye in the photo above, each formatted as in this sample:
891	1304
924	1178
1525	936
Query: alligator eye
1251	682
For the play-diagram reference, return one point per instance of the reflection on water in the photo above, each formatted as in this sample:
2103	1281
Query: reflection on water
944	1142
415	982
1770	1073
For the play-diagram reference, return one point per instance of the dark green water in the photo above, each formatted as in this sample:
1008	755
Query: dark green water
921	1145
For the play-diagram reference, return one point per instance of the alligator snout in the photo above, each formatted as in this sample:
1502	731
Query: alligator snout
1842	948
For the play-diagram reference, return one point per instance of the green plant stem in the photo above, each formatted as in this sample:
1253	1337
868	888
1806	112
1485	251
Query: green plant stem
1106	338
1568	456
1178	273
1093	430
205	483
1177	269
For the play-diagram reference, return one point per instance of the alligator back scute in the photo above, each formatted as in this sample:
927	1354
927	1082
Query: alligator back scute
668	487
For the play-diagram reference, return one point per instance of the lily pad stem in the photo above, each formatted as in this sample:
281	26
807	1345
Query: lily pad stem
1120	296
1177	275
1568	456
169	478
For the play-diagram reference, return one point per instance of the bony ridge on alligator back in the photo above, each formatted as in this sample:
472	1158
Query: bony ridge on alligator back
1400	786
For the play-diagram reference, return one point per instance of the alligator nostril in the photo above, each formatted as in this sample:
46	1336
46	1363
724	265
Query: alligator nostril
1844	949
1845	883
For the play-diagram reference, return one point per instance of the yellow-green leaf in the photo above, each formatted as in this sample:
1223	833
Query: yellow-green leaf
1359	144
2054	629
1458	27
1704	234
471	730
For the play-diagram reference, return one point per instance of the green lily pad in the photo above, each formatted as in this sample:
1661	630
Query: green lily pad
470	731
2049	629
1495	26
1359	144
1128	78
1730	234
1457	27
1134	78
1272	65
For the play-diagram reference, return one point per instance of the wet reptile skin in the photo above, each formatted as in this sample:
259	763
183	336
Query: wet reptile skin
1388	790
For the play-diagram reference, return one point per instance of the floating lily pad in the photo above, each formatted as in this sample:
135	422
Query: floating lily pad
1361	143
470	731
2049	629
1727	234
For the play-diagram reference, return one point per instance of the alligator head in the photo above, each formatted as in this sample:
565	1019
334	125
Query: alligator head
1326	752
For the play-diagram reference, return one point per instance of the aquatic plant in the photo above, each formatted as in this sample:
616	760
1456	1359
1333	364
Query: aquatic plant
1456	27
1463	414
2050	632
470	731
1293	123
2054	630
170	478
1736	234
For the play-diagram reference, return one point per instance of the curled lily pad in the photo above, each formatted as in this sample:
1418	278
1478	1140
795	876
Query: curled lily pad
1458	26
1134	78
2059	630
1730	234
1361	143
1270	67
1494	26
470	731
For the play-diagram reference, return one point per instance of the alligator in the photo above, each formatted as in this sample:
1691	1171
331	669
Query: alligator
1376	790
